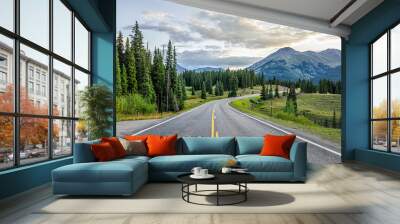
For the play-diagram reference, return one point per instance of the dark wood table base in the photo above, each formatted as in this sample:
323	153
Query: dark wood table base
241	191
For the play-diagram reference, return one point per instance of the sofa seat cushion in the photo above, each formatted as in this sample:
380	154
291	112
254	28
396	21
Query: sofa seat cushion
133	157
257	163
185	163
113	171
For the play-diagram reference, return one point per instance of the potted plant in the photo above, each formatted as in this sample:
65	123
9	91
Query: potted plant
96	102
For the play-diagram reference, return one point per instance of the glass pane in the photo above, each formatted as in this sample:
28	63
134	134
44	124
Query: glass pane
379	97
62	29
395	138
81	45
34	97
62	89
379	55
395	47
33	139
81	82
6	74
7	14
62	138
81	131
379	135
395	94
35	21
6	142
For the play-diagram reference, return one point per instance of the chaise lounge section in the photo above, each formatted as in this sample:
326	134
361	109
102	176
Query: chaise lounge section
125	176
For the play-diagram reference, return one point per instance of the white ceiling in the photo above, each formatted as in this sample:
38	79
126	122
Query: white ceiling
314	15
321	9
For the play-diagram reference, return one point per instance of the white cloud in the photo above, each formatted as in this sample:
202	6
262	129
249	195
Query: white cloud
213	39
215	58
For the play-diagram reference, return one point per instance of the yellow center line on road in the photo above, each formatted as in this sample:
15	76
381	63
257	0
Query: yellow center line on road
212	123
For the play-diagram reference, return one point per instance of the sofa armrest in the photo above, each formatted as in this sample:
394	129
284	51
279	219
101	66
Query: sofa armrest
83	152
298	155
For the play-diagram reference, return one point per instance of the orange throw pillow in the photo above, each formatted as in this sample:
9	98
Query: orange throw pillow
277	145
161	145
116	145
103	152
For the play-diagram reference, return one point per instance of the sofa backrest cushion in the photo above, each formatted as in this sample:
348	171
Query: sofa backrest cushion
249	145
83	152
207	145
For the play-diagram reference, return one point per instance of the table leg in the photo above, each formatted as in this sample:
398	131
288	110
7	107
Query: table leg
188	189
195	188
217	194
245	193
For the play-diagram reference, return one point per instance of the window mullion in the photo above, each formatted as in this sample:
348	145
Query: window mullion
16	84
389	104
73	82
50	81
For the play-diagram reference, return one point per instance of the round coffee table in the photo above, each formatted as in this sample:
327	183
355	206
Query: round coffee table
238	179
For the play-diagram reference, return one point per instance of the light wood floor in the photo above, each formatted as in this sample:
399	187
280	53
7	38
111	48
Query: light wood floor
379	189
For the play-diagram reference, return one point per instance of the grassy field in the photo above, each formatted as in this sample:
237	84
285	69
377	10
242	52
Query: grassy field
190	103
315	112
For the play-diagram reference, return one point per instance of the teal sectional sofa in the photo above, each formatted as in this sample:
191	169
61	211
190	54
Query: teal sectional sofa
125	176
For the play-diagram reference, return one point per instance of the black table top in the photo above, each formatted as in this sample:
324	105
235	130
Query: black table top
220	178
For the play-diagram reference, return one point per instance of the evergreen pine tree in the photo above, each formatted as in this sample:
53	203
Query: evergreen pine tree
137	49
276	91
221	89
130	68
209	86
234	82
174	74
183	86
193	91
124	84
291	101
157	75
146	87
270	95
334	119
118	86
203	91
180	93
168	75
120	49
263	92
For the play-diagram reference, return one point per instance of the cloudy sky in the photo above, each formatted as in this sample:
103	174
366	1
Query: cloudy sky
205	38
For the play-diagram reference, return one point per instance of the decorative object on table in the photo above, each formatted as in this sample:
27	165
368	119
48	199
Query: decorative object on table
230	170
231	163
196	170
226	170
200	173
97	102
239	180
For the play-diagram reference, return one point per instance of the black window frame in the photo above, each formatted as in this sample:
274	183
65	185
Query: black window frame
388	74
16	114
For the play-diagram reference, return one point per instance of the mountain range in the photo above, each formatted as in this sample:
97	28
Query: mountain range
289	64
180	69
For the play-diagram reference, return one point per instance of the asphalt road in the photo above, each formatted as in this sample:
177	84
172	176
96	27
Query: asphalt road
227	122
